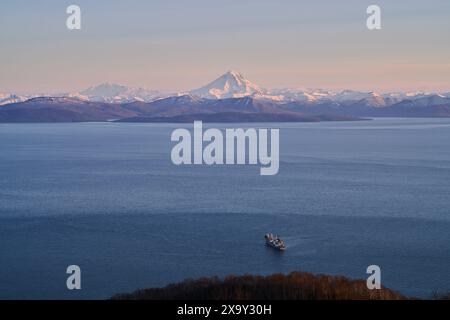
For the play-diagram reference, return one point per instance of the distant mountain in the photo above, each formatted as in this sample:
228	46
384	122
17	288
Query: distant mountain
114	93
11	98
429	101
375	100
105	92
172	109
230	85
376	107
244	109
190	104
223	99
62	109
303	95
351	96
234	85
345	97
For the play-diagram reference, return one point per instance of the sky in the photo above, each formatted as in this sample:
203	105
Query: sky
177	45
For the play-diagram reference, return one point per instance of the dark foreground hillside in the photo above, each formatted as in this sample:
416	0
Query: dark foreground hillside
295	286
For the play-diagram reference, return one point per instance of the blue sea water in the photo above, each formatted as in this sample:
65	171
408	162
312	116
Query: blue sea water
106	197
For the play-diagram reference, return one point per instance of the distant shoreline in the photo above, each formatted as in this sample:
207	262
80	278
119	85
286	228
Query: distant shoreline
236	117
225	117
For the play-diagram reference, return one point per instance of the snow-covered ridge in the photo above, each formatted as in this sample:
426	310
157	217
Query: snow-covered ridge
114	93
234	85
7	98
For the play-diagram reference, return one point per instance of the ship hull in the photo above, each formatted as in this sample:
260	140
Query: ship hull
269	243
276	248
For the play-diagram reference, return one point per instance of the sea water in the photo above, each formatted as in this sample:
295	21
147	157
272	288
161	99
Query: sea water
107	197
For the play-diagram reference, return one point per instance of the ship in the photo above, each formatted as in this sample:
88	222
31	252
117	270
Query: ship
275	242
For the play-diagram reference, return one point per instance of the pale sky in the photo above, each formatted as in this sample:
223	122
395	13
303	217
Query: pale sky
176	45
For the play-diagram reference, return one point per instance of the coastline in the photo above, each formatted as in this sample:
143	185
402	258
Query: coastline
292	286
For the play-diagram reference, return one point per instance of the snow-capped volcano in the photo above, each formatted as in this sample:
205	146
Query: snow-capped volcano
230	85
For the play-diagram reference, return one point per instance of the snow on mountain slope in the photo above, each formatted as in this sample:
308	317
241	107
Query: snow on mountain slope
234	85
301	95
432	100
230	85
351	95
114	93
375	100
7	98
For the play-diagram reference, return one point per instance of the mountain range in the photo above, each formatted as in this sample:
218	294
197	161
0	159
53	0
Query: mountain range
231	97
